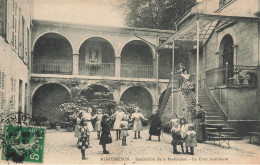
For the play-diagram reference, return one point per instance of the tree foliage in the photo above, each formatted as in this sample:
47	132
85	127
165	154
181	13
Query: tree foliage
157	14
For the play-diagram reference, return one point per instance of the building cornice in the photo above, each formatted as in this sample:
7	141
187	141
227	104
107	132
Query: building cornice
118	30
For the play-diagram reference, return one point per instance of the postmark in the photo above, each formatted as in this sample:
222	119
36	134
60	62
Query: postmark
20	141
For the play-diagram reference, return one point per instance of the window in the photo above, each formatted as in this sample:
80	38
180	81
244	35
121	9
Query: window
12	93
2	91
20	103
3	9
21	38
221	3
26	54
25	97
93	53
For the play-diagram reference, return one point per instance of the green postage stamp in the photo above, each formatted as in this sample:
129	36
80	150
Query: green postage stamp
22	144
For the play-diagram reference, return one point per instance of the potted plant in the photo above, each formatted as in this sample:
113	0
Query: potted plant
58	125
241	79
251	77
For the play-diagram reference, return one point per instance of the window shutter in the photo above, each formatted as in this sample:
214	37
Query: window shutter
8	21
2	91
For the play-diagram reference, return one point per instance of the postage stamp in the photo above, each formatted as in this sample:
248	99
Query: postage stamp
20	141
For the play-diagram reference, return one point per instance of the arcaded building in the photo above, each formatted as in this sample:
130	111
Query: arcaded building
118	60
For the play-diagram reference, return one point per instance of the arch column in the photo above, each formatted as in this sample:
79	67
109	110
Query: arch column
117	66
235	54
154	67
75	63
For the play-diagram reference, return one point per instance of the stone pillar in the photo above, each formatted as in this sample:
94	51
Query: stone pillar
117	66
154	68
235	54
75	64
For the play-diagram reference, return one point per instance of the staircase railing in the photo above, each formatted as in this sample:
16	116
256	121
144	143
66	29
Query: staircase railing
188	93
189	96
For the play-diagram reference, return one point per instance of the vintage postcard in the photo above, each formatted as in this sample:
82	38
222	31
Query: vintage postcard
130	81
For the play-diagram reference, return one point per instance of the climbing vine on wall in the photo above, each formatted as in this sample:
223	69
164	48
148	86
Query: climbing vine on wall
116	85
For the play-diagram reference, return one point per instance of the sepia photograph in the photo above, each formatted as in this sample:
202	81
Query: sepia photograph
130	81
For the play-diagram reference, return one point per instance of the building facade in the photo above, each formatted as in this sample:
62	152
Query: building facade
44	63
229	57
15	52
122	61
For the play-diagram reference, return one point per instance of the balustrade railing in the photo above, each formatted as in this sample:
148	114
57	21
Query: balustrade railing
188	90
136	71
235	75
103	69
52	66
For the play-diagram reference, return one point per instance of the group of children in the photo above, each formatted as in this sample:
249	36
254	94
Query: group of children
121	125
183	133
84	127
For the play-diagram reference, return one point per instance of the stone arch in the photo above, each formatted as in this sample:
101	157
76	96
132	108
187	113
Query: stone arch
139	95
54	32
137	60
137	39
96	36
221	35
46	100
37	87
97	88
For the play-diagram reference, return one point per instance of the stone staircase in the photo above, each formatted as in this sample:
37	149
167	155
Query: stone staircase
213	117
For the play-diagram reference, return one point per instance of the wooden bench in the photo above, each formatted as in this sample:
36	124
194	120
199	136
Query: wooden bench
216	134
256	134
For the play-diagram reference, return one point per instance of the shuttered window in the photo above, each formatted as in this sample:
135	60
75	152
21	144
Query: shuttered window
12	93
2	91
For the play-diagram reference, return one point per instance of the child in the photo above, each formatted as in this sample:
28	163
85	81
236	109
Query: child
124	128
105	137
98	118
182	132
118	117
77	134
183	128
175	134
191	139
137	117
83	137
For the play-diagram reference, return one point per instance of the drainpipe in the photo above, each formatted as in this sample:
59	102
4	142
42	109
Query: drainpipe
198	51
157	79
173	46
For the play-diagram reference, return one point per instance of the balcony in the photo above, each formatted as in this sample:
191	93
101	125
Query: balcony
52	67
136	71
103	69
232	76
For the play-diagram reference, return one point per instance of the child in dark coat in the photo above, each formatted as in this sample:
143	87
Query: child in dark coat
105	134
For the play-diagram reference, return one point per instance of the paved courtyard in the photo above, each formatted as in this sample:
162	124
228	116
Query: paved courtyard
60	147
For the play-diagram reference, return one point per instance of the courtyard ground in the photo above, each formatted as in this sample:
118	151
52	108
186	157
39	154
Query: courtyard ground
60	147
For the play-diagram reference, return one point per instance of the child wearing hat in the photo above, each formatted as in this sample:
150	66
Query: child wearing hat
124	128
98	118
